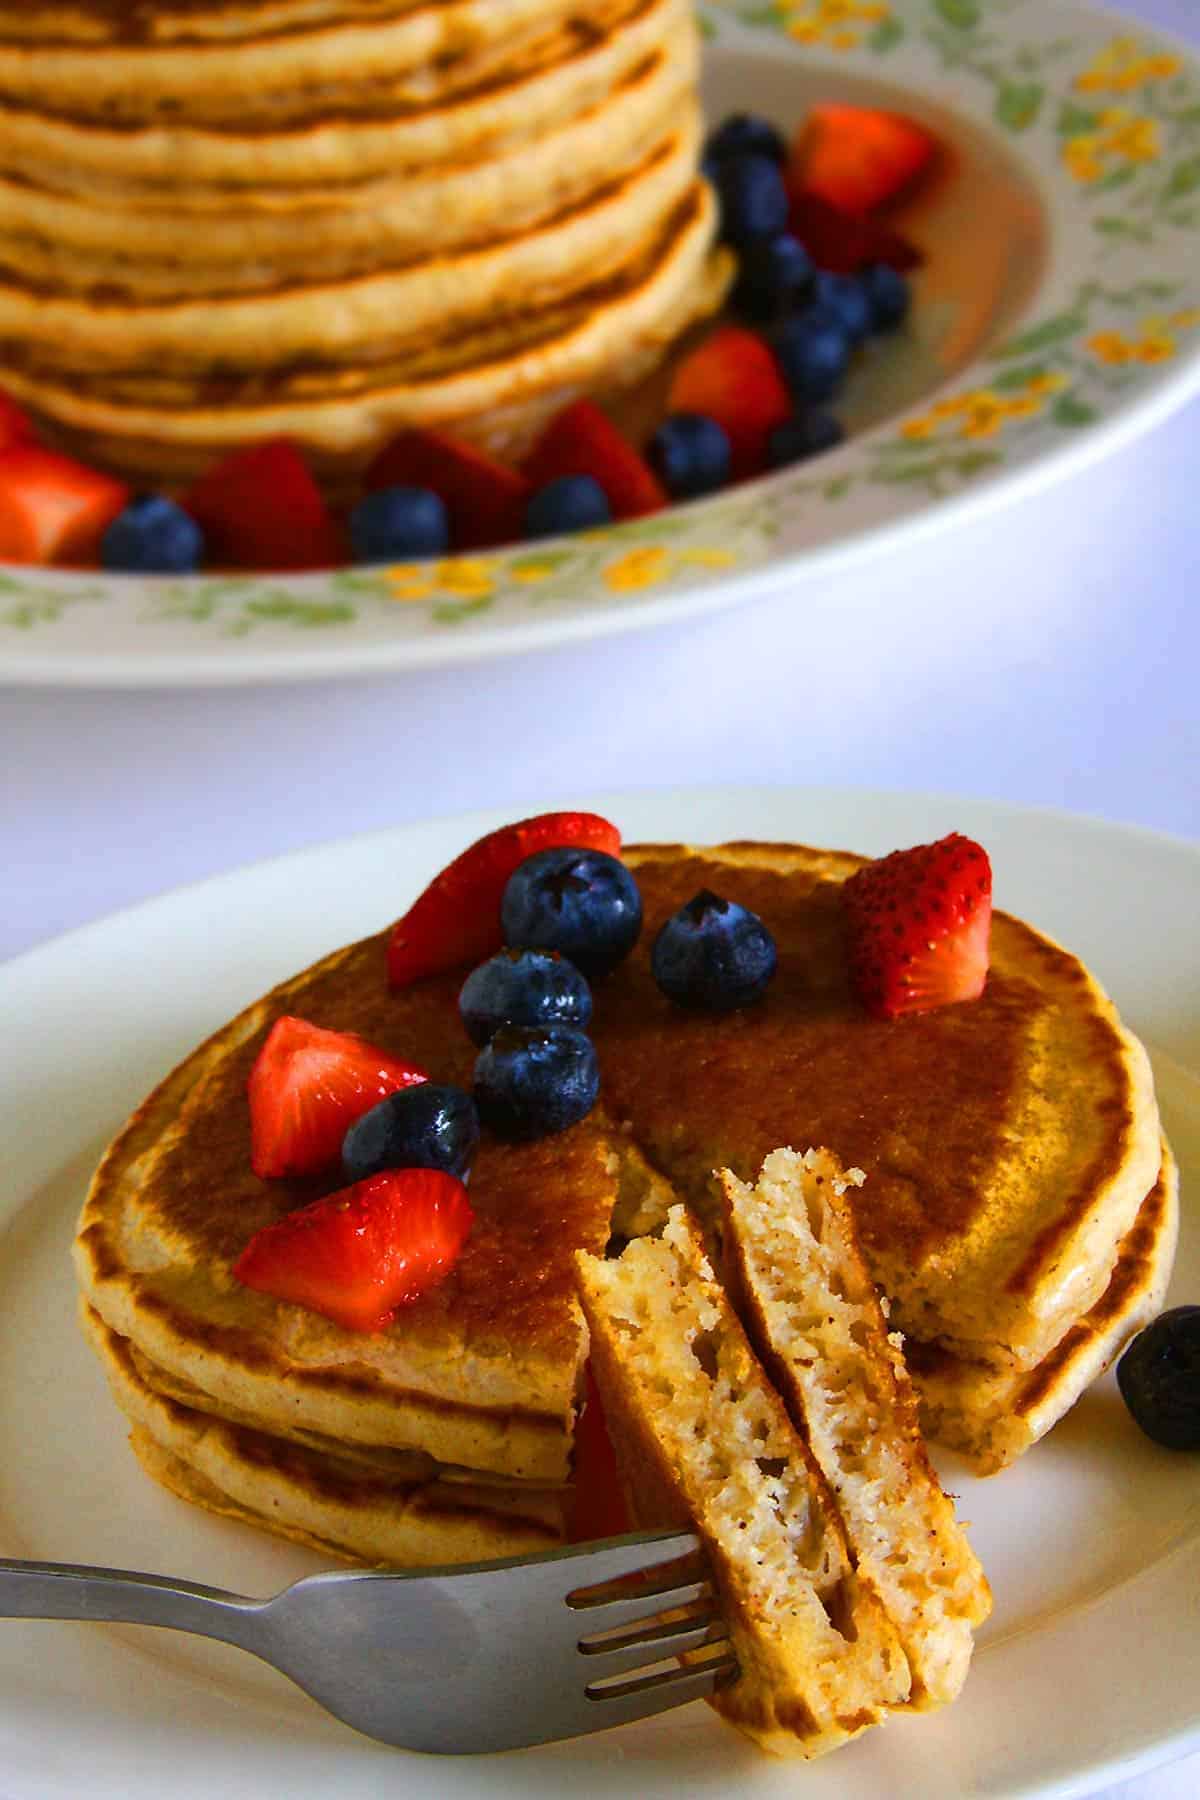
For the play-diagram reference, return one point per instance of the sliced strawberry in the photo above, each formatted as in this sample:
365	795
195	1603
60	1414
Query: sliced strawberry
858	158
919	925
16	427
734	378
357	1255
306	1089
457	919
843	243
598	1508
484	498
261	509
582	440
53	509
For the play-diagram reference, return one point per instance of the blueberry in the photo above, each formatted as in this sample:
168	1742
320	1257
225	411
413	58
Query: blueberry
745	134
422	1127
713	955
888	295
805	434
813	352
571	503
774	275
1159	1379
153	536
399	522
754	202
691	452
523	987
846	296
582	903
532	1080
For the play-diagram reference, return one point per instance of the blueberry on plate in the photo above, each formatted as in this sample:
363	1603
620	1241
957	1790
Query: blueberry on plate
420	1127
153	536
754	202
745	134
846	296
813	350
713	955
692	454
396	523
523	987
570	503
1159	1379
532	1080
805	434
889	296
774	275
583	903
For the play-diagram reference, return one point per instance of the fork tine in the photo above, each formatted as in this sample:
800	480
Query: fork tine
641	1606
641	1649
626	1556
634	1699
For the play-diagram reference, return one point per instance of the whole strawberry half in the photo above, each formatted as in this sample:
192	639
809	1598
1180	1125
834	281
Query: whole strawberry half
357	1255
485	499
261	509
52	508
733	377
306	1089
582	440
919	925
457	918
858	158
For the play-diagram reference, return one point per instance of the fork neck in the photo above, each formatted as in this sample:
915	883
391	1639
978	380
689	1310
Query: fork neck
32	1590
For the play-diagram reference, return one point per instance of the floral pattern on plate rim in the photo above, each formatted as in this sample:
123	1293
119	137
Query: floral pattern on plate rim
1110	116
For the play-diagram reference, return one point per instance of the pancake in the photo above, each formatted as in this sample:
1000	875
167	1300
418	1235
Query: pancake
703	1440
331	1503
990	1416
811	1311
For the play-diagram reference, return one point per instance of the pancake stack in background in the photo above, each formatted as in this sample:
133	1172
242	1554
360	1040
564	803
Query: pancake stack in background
229	220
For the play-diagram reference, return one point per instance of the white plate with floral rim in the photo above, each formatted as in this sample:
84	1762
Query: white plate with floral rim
1067	324
1086	1670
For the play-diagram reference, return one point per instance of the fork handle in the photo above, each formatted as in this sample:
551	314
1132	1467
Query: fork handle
33	1590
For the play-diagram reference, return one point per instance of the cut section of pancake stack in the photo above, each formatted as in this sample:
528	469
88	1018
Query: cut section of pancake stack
332	219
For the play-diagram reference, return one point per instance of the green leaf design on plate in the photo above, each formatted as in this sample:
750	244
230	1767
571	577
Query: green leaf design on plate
886	35
1075	120
1056	330
1067	410
1185	179
964	15
1009	380
1018	104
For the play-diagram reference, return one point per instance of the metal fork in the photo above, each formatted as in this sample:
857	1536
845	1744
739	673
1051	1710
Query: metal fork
491	1656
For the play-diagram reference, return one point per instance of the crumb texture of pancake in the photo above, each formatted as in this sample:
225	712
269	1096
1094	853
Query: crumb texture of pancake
814	1318
701	1437
333	222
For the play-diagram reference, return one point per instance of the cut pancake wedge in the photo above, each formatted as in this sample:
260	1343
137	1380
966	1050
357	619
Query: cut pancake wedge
702	1437
814	1317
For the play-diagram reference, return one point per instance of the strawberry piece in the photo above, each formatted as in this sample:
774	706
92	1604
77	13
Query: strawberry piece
306	1089
16	427
858	158
582	440
457	919
53	509
598	1508
734	378
484	498
919	924
357	1255
844	244
261	509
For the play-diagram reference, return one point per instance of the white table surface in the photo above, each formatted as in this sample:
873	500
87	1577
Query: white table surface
1048	655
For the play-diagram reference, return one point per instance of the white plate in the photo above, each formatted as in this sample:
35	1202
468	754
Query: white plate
1087	1669
1058	315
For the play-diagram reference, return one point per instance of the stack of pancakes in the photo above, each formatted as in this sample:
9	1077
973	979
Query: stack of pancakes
1019	1211
224	220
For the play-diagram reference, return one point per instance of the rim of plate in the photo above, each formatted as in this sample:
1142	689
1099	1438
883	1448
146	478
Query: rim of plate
1105	126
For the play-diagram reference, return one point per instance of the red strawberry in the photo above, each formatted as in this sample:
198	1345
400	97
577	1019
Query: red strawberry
734	378
53	509
306	1089
843	243
858	158
581	440
484	498
598	1508
457	919
16	427
261	509
357	1255
919	923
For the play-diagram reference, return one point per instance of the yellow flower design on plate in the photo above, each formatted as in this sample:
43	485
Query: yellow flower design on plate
1123	66
1156	341
838	23
983	413
641	568
1120	137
